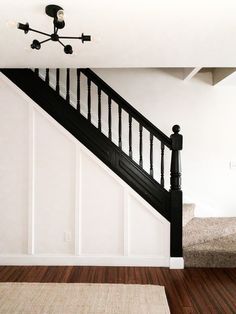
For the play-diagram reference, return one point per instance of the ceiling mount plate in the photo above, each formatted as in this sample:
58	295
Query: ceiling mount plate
51	10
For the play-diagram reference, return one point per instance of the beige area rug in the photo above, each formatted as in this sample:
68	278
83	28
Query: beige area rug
68	298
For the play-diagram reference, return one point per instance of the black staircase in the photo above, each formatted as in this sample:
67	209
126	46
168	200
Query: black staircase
92	135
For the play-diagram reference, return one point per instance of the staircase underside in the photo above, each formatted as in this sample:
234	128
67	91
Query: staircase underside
210	242
92	138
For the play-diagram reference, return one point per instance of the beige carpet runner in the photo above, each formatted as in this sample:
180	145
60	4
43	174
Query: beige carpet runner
68	298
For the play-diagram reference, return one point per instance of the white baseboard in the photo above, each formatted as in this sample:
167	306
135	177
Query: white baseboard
176	263
64	260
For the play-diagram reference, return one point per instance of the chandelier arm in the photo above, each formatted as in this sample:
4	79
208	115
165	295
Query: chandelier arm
61	43
39	32
69	37
44	41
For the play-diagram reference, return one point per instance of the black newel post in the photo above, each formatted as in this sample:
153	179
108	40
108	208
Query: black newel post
176	198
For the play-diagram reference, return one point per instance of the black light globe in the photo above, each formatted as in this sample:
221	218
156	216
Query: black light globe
24	27
68	49
35	44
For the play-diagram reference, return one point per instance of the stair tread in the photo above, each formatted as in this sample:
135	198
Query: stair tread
225	244
215	253
201	230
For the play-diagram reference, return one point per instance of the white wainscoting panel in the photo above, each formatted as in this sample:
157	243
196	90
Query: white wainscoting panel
101	210
60	205
14	147
146	230
54	189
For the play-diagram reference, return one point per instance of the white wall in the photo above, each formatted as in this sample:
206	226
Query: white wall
206	115
60	205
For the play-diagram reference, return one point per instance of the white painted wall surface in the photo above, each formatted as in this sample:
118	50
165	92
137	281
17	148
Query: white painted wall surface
60	205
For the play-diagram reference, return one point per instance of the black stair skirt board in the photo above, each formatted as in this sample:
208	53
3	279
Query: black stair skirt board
94	140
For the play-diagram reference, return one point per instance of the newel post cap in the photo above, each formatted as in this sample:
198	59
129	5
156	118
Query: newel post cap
176	138
176	129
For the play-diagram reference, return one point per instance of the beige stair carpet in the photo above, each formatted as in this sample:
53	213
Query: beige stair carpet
200	230
215	253
210	242
68	298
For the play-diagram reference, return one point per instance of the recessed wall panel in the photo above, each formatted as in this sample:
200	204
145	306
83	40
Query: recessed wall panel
148	235
101	210
54	164
14	148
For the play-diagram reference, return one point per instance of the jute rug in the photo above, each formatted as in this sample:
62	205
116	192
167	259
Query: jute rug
68	298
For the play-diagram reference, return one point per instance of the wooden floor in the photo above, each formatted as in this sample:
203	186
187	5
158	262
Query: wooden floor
188	291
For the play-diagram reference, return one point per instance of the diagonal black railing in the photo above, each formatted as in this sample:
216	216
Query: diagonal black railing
134	116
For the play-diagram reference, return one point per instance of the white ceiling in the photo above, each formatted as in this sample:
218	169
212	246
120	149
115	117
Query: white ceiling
125	33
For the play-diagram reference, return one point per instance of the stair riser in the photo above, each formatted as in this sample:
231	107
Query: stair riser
210	259
188	213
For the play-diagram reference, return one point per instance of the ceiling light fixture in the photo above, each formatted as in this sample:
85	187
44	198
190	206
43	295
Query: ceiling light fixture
57	13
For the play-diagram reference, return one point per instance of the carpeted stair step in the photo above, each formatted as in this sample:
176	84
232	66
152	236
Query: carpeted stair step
188	213
201	230
215	253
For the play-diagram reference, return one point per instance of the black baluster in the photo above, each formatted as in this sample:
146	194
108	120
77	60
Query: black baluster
109	117
36	71
162	165
151	154
47	76
89	99
78	90
130	137
68	85
58	81
176	197
99	110
140	145
120	126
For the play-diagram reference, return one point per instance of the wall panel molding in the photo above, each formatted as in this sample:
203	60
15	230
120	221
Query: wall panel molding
31	221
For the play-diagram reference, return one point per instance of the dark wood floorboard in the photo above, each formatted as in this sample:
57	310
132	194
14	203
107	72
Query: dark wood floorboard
196	290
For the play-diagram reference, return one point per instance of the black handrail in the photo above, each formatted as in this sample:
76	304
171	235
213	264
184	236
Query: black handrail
127	107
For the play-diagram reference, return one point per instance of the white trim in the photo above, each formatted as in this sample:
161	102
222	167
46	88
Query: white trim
189	73
79	178
31	179
126	222
77	201
83	260
176	263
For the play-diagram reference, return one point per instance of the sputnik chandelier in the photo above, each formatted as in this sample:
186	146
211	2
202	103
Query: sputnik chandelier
57	13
